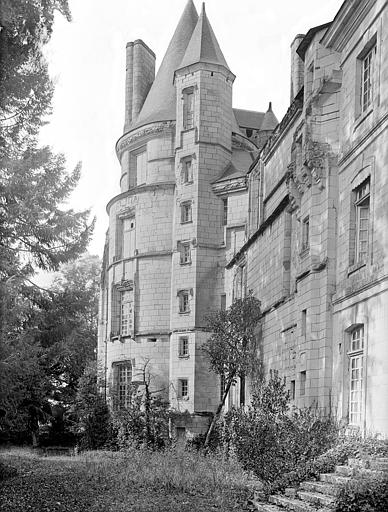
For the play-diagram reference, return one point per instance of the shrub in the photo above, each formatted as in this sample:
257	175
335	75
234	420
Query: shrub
364	493
273	442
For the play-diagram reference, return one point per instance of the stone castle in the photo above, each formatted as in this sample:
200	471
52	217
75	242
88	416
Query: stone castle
216	201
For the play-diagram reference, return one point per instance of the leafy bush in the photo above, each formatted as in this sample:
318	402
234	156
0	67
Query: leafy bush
270	440
137	425
364	493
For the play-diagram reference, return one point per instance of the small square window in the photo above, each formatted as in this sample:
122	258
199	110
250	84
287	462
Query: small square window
183	388
184	301
185	253
186	213
183	348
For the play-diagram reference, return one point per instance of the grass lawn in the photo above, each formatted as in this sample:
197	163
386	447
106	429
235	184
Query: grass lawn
141	481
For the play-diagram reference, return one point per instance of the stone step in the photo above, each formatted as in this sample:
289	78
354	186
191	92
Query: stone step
323	488
344	470
333	478
291	504
316	498
267	507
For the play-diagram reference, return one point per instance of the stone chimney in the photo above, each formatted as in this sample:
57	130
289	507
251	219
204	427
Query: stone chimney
297	68
140	74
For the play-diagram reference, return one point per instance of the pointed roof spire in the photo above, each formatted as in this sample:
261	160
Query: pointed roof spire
203	46
269	122
160	104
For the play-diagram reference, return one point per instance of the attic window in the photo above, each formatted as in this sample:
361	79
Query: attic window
249	132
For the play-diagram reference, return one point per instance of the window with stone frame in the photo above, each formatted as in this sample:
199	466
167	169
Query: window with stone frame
361	215
187	170
126	312
183	389
367	79
141	167
128	237
186	212
188	108
184	301
356	375
239	282
302	383
183	346
122	374
184	253
224	211
305	234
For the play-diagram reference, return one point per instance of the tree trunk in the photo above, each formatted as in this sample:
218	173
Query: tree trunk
218	411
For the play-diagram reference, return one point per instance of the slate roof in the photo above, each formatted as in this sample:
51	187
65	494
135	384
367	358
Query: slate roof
249	118
160	104
203	45
269	122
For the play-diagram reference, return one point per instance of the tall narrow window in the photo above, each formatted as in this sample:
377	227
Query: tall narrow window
123	376
305	233
362	207
128	225
302	383
183	348
126	313
185	253
292	390
188	109
187	171
183	388
367	72
303	327
141	168
184	301
223	302
356	369
186	213
225	211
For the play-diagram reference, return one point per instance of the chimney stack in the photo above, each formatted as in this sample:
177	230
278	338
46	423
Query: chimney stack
140	74
297	68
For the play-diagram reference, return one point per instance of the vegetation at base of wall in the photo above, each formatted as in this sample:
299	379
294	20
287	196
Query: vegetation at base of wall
364	493
271	440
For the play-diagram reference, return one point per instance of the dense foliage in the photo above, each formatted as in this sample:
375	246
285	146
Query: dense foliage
233	349
364	493
271	439
52	339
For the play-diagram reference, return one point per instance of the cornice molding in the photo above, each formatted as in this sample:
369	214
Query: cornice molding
147	131
163	185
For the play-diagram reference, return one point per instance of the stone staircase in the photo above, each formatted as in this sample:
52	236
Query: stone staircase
320	495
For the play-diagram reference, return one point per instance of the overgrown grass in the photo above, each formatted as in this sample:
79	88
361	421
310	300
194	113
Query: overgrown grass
173	480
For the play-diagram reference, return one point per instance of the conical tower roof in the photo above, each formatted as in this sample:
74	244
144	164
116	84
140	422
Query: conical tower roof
160	104
269	122
203	46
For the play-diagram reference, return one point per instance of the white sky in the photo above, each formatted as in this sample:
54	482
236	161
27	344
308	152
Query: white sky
87	61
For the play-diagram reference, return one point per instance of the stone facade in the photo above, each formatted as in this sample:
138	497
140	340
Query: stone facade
216	201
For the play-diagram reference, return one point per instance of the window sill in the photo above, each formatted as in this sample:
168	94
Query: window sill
187	356
187	182
355	267
183	398
184	312
183	263
184	130
361	118
186	221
